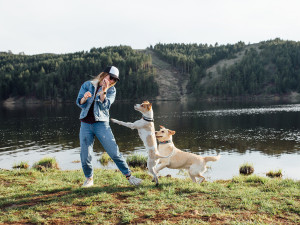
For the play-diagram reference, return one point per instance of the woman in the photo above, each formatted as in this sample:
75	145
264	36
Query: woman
95	98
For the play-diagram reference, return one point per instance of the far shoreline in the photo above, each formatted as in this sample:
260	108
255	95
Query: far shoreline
293	97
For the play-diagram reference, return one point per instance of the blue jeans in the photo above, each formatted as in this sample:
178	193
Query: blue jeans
104	134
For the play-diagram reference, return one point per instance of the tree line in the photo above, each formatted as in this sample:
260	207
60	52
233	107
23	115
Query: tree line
186	57
58	77
269	67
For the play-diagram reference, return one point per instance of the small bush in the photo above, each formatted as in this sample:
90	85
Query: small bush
40	168
273	174
105	158
46	163
246	169
21	165
137	161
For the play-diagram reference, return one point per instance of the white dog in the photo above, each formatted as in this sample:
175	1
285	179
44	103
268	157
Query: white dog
195	164
146	130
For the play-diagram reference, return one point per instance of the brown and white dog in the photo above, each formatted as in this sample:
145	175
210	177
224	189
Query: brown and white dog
195	164
146	130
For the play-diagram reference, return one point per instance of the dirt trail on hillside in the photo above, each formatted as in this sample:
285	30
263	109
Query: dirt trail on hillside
172	85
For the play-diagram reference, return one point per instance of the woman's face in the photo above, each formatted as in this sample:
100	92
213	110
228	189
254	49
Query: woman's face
109	79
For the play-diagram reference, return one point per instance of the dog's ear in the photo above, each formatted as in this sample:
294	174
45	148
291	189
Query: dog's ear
149	105
162	127
172	132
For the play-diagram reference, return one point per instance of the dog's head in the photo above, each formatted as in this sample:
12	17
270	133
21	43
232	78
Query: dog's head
164	134
144	107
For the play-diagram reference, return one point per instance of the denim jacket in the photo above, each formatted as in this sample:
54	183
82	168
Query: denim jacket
101	109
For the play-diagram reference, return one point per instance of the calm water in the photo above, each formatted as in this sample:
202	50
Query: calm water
264	134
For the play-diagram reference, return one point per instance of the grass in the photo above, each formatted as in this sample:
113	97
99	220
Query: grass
46	164
21	165
246	169
137	161
132	160
105	158
55	197
276	173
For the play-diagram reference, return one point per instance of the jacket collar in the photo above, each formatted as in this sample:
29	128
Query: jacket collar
95	83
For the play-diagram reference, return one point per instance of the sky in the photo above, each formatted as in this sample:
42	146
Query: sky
66	26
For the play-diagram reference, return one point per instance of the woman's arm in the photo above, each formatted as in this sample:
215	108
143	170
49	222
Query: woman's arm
109	98
83	96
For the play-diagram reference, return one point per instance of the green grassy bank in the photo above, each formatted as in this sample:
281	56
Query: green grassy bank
55	197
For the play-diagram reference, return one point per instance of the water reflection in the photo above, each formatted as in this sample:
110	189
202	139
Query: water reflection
237	129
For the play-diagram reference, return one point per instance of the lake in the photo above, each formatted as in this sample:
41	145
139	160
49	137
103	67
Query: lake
266	134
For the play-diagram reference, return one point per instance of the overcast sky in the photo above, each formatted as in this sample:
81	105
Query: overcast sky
63	26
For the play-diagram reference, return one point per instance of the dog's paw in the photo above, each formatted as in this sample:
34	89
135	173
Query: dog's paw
113	120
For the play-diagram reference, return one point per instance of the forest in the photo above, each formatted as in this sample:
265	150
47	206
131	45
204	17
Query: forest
58	77
269	67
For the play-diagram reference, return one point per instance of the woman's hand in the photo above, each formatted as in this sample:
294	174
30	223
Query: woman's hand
85	97
105	85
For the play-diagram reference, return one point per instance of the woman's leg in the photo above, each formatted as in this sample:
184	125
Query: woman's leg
86	137
104	134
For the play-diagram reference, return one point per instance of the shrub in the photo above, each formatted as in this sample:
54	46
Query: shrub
137	161
273	174
246	169
21	165
105	158
46	163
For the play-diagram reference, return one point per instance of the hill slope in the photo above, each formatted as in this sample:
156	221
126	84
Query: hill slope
172	85
264	69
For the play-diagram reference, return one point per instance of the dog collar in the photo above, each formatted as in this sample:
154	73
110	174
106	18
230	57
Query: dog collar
148	119
164	142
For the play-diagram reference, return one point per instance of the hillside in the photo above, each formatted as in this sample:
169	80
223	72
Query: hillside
268	68
213	70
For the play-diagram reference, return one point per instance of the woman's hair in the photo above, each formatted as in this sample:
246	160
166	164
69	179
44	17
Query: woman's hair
101	76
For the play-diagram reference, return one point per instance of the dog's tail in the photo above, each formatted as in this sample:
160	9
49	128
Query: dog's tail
168	156
212	158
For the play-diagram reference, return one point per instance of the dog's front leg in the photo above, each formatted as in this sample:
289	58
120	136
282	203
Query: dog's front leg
125	124
160	167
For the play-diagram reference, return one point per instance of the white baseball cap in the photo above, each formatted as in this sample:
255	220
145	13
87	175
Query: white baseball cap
112	71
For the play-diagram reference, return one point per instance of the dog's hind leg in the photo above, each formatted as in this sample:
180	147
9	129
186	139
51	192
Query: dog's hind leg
195	171
192	176
202	178
152	171
151	165
155	179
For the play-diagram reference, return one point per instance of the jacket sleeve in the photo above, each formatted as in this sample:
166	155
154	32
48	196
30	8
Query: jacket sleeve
110	98
83	89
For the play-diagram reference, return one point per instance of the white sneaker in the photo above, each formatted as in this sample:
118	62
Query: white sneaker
134	180
88	182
